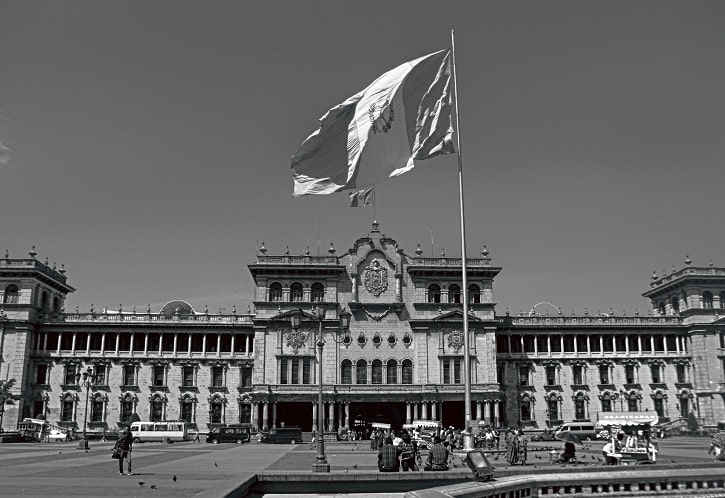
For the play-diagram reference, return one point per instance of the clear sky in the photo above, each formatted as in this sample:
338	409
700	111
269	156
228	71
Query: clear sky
146	145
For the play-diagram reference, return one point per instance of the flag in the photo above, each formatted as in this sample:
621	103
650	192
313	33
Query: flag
378	133
364	197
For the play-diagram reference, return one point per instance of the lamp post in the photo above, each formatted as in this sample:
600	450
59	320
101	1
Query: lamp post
86	379
320	309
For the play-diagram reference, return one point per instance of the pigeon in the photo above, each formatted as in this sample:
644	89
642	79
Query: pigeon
354	466
174	478
153	486
141	483
215	464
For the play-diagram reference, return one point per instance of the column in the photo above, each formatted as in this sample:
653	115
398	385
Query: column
248	345
274	414
234	336
88	344
254	415
218	344
496	410
487	411
347	415
314	417
425	410
203	348
478	410
265	414
103	343
434	410
548	344
176	343
73	344
330	416
161	345
145	344
415	411
60	337
408	419
118	341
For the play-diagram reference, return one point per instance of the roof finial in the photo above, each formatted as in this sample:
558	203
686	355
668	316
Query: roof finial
331	250
654	275
375	226
262	249
418	251
688	261
484	251
33	253
443	253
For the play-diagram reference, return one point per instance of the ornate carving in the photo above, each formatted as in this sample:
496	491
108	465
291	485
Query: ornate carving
455	340
297	339
375	278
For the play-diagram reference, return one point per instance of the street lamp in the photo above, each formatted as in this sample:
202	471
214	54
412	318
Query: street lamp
320	310
86	379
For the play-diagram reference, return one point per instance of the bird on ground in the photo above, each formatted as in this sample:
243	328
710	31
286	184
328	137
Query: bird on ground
174	478
141	483
153	486
215	464
354	466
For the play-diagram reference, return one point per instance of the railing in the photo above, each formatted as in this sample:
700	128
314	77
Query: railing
34	264
687	271
148	318
298	260
596	320
444	261
649	481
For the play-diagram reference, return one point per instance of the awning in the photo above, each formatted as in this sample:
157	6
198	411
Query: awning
627	418
381	425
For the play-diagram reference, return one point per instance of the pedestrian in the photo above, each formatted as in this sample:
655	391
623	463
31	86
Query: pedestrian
196	439
407	453
124	446
437	456
388	457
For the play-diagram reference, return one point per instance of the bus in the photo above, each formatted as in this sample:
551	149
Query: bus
159	431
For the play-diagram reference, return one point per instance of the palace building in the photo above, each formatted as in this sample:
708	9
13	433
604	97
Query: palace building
385	330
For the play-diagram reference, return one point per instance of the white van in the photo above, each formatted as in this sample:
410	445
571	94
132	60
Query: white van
585	430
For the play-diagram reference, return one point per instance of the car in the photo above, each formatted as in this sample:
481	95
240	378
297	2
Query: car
56	435
545	435
239	434
290	435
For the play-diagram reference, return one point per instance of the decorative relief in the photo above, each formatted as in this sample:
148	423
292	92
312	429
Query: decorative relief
297	339
375	278
455	340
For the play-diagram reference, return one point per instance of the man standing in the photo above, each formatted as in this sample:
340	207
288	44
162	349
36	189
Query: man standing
124	444
437	456
388	457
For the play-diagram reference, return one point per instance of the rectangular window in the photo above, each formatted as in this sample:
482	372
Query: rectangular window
524	375
551	375
217	376
215	413
659	407
594	344
306	369
295	370
97	411
552	409
576	374
555	344
515	343
499	374
158	373
656	378
542	344
525	410
283	370
70	375
101	379
66	411
129	375
446	371
456	370
187	376
608	343
629	374
633	343
621	343
604	374
632	405
157	411
41	374
581	343
246	376
568	344
606	405
579	409
529	343
126	410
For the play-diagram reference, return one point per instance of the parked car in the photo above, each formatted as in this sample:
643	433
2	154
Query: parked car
56	435
231	434
291	435
545	435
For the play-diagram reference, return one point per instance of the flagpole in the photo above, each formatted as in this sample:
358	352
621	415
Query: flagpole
468	437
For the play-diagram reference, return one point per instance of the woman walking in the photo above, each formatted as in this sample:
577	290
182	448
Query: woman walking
124	445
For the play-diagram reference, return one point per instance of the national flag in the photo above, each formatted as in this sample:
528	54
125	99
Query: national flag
404	115
364	197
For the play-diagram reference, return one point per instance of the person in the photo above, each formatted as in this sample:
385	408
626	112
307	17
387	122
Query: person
196	439
437	456
124	444
407	453
522	443
609	451
388	457
509	442
569	453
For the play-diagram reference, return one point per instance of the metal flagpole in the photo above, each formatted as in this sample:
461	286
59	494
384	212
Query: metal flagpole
467	437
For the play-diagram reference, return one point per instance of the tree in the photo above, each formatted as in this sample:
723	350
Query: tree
6	397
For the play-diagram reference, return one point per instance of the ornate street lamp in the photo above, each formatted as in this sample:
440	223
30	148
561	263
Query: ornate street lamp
86	379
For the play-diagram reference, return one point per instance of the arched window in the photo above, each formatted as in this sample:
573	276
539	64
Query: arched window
454	294
675	304
56	305
275	292
707	300
474	294
44	301
317	292
392	372
361	372
11	294
295	292
434	293
377	372
661	308
346	372
407	372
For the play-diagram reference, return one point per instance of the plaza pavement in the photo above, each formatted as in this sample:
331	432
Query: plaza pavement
203	470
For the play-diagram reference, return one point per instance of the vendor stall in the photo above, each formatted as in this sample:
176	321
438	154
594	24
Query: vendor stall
631	437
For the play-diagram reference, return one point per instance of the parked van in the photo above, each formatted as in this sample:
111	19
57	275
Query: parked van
290	435
585	430
230	434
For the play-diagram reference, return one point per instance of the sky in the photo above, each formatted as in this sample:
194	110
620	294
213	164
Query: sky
146	146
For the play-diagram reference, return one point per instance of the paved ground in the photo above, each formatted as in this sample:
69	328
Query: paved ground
205	470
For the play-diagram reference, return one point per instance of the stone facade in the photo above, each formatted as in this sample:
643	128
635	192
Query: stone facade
400	359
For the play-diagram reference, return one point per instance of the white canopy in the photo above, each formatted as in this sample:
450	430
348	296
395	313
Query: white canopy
627	418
